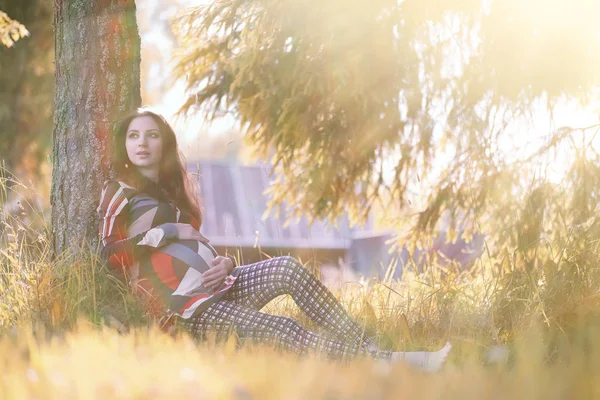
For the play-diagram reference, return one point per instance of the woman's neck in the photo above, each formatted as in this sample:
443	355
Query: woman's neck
151	174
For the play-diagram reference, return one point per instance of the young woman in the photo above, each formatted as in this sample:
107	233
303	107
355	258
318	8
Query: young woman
149	229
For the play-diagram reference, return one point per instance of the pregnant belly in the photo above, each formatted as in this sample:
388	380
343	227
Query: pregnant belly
179	265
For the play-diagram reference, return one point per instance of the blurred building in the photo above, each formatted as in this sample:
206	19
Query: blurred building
234	208
234	218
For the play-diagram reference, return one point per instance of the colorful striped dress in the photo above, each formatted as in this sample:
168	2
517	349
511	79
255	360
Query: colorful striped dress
139	238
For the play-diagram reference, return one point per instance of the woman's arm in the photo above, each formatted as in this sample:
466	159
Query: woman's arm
196	225
115	247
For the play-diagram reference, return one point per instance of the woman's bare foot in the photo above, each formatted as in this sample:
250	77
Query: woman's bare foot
429	361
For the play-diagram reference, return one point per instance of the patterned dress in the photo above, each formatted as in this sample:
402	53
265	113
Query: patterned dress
139	238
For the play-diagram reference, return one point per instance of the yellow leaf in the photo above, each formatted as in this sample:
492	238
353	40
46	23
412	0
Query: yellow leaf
368	314
404	329
56	313
231	343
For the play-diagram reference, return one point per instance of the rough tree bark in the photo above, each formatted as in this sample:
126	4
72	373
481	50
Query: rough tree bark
97	80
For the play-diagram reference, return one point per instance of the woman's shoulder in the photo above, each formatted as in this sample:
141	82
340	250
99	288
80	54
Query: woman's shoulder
112	187
117	183
115	191
112	199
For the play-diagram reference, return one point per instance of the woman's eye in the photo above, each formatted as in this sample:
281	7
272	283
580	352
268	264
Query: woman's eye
133	135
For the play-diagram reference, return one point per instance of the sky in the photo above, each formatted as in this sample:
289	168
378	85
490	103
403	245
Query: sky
156	36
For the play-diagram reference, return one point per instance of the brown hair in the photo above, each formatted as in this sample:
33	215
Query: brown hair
173	181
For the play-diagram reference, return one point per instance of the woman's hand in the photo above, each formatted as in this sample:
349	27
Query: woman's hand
214	277
187	232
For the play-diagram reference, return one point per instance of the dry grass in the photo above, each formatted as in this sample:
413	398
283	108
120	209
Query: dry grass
99	363
60	321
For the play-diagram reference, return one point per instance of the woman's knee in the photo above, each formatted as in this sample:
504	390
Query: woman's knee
291	263
292	269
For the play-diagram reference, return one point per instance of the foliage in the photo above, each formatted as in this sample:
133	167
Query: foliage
26	97
10	30
387	102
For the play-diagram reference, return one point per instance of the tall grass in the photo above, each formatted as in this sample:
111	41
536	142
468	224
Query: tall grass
70	329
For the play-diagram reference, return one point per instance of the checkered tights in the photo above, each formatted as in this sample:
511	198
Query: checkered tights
260	283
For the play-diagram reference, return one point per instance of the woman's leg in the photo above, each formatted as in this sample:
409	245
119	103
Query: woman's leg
261	282
252	325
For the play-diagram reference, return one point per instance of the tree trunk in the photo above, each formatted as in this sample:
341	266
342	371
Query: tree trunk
97	81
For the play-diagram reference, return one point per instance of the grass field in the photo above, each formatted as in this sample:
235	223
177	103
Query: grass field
69	329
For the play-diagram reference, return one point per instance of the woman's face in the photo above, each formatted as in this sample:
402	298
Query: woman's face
144	144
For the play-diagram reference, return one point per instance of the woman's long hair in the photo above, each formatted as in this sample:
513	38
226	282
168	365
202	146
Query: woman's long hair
173	182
